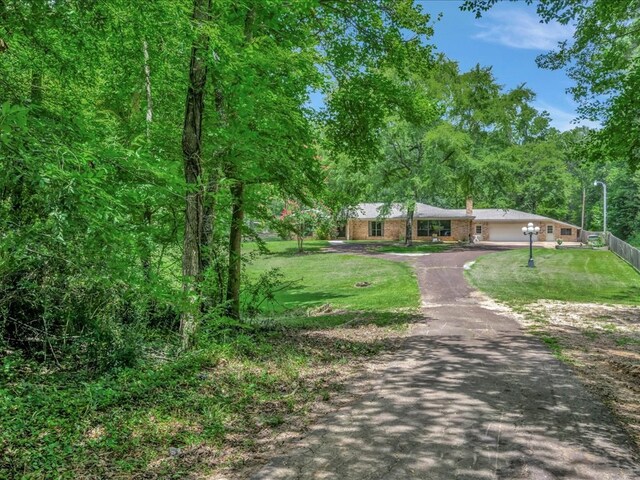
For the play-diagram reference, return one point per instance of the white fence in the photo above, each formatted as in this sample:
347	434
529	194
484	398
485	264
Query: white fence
624	251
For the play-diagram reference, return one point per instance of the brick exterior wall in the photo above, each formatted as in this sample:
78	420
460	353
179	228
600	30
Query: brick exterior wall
542	237
485	235
567	238
394	230
359	230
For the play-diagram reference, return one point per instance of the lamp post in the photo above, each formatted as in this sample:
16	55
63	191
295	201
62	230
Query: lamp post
604	218
531	231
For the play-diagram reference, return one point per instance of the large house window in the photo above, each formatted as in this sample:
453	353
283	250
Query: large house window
549	228
429	228
376	229
478	229
565	231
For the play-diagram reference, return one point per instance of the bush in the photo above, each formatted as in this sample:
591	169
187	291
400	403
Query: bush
634	240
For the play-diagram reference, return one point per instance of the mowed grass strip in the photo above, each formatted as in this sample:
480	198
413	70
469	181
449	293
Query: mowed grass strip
287	247
567	275
415	248
330	278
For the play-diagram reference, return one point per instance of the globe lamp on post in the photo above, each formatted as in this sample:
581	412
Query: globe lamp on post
531	231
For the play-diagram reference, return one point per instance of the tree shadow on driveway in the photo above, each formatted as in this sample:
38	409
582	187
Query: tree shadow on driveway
458	407
468	396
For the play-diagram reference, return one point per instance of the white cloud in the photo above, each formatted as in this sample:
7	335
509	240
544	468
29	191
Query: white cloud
519	29
564	120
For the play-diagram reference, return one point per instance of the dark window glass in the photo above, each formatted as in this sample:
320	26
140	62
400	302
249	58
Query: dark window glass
565	231
375	229
549	228
423	228
429	228
478	228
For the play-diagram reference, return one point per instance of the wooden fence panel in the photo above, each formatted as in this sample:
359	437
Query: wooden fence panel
625	251
584	235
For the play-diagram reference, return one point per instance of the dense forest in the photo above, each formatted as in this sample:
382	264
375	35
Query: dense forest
123	208
146	147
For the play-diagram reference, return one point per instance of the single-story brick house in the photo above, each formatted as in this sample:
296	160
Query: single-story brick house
371	222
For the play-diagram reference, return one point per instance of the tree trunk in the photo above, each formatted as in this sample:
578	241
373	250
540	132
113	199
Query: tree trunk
208	221
147	213
192	157
409	237
147	81
237	213
584	199
209	202
36	87
235	249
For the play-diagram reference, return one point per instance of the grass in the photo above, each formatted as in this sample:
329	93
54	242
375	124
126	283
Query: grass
321	279
565	275
176	415
590	276
555	346
287	247
415	248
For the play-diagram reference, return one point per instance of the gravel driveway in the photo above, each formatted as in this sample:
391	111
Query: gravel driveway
468	396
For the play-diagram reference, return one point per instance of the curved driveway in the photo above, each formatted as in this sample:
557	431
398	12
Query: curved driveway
468	396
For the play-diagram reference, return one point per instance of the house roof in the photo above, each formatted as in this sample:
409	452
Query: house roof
510	215
504	215
428	211
372	211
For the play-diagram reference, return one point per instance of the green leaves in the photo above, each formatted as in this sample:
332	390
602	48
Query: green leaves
13	122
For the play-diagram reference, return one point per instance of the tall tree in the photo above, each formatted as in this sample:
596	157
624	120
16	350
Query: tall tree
192	150
270	56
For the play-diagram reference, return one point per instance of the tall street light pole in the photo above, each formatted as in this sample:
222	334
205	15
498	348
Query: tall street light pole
531	231
604	187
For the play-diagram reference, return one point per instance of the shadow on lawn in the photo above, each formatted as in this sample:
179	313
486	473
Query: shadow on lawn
301	295
328	317
293	251
632	292
181	418
385	248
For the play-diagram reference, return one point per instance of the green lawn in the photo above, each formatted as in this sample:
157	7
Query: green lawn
566	275
325	278
287	247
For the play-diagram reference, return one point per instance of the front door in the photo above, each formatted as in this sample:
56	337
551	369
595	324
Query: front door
550	236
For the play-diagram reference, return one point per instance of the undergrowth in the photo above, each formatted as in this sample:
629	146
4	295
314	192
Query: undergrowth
170	414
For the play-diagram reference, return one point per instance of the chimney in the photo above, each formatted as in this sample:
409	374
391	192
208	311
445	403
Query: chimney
469	206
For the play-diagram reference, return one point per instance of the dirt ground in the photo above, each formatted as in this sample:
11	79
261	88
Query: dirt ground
602	344
242	454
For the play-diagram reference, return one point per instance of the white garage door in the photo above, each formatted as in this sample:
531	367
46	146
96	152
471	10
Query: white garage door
507	232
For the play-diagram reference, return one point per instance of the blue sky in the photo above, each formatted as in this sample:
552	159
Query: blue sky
508	37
